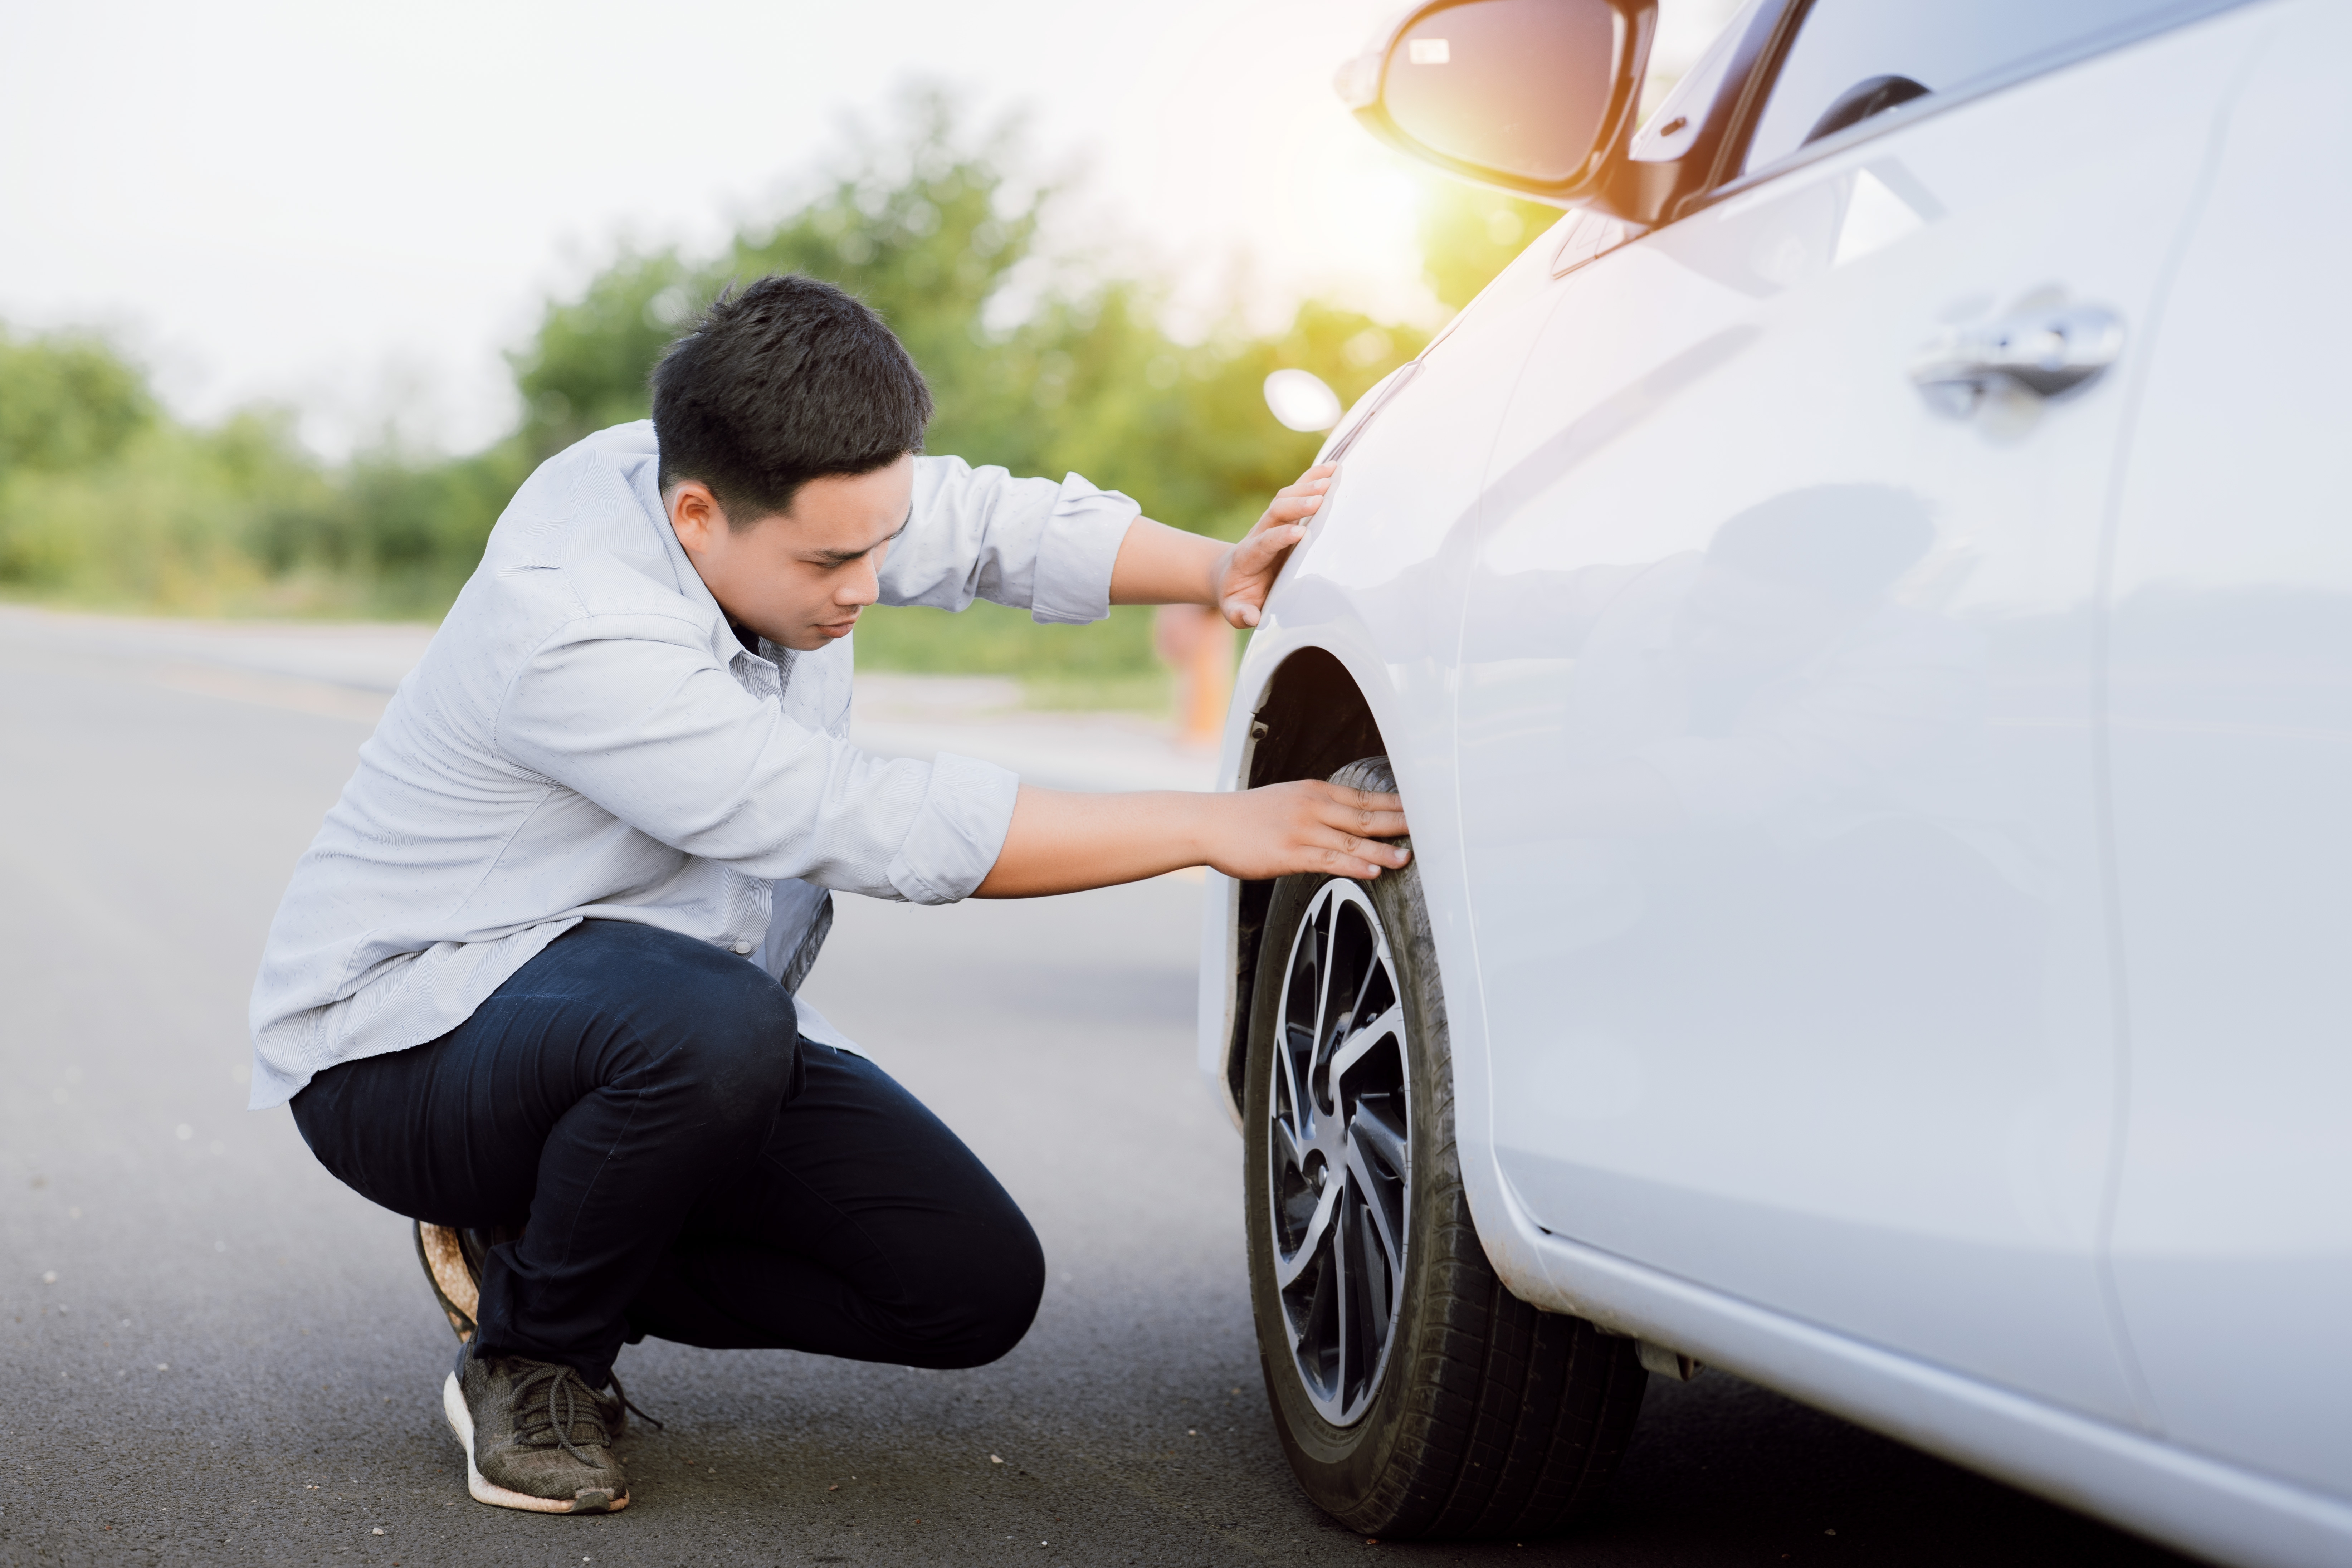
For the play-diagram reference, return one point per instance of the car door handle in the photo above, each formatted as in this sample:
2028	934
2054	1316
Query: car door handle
2044	352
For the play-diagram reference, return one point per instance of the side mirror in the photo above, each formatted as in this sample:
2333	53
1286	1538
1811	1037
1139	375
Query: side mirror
1532	96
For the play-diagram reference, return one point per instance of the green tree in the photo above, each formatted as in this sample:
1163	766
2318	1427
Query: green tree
585	367
922	232
68	401
913	228
922	227
401	535
1042	368
168	518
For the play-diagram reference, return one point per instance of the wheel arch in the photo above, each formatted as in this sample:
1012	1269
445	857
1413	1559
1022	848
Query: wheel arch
1311	718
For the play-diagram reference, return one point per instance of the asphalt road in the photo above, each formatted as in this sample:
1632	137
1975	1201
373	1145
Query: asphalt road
211	1351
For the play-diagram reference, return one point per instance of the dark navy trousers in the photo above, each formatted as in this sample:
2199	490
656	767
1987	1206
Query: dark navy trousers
683	1165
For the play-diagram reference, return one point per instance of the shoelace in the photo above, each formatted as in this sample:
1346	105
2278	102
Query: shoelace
621	1396
552	1385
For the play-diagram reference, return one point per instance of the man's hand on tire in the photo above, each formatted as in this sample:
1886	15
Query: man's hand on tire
1312	826
1062	842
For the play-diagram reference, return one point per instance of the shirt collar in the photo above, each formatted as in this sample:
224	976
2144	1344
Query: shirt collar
726	643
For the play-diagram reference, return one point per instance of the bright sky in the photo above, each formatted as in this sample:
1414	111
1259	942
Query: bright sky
354	209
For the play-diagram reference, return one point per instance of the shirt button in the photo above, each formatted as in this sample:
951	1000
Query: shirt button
742	947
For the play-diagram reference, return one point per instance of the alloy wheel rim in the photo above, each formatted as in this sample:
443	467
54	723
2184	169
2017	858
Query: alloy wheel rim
1340	1152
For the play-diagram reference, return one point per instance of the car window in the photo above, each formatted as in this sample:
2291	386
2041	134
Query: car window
1854	58
1675	128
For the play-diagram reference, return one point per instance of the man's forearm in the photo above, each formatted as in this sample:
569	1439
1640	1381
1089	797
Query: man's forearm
1063	842
1158	564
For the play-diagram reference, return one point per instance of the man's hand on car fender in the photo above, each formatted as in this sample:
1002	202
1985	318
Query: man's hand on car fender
1245	572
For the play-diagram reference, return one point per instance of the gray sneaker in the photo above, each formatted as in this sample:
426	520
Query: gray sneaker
537	1436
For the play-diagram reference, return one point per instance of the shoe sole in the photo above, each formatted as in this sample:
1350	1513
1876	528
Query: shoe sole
453	1285
587	1499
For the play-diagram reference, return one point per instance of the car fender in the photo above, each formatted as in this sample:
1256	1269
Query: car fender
1399	658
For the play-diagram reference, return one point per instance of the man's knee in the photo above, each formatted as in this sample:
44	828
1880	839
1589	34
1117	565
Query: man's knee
989	1299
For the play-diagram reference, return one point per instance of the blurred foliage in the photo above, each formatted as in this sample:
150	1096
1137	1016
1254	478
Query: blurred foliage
102	499
585	367
68	402
1086	381
1041	367
105	501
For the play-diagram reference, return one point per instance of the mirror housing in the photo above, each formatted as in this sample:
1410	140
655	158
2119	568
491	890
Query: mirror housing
1534	96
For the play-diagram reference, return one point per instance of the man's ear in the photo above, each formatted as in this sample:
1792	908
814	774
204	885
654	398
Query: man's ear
695	515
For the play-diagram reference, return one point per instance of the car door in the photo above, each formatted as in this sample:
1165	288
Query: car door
1778	721
2232	714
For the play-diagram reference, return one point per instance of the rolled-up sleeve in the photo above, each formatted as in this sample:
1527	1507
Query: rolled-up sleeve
958	831
979	533
632	714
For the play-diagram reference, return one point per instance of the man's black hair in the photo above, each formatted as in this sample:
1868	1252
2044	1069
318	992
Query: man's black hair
790	380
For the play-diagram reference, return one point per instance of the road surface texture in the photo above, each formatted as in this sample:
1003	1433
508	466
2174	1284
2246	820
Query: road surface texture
211	1353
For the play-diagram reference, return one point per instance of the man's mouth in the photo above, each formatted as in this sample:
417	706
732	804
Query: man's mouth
837	628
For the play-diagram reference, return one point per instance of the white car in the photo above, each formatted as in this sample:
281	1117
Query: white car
1859	614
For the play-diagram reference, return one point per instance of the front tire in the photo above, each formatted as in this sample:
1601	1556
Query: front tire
1413	1395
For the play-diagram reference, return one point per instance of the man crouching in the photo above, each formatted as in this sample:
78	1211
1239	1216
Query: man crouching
533	985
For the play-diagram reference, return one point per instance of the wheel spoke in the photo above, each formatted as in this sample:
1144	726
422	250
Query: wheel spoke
1295	1028
1360	1043
1355	957
1374	972
1295	1126
1287	1270
1286	1151
1384	1226
1315	1328
1321	980
1372	1128
1340	1278
1369	1276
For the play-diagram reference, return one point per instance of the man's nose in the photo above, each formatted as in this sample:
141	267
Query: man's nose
862	587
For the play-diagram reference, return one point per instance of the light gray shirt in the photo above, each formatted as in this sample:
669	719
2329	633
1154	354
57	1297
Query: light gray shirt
586	738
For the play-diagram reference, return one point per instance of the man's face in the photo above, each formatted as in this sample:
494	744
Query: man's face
798	577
